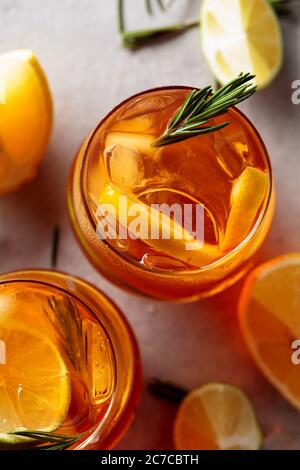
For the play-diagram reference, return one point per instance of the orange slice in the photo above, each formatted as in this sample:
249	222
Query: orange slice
34	383
270	322
216	416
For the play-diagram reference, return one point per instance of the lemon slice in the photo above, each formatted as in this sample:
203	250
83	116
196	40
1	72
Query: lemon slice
269	318
241	35
25	118
34	383
169	236
216	416
247	196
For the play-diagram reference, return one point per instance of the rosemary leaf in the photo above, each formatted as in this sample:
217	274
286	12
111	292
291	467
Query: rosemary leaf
200	106
161	5
148	7
49	440
120	16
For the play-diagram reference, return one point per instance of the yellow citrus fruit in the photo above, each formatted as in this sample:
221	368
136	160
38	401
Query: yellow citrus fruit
216	416
247	196
25	118
241	36
269	317
173	239
34	382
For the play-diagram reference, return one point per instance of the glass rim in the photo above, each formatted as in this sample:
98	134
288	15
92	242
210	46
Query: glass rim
114	433
234	251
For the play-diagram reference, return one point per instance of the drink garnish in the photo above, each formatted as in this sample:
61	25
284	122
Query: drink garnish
36	376
49	440
202	105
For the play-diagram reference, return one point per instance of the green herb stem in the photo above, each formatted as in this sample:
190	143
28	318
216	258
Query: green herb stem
49	440
200	106
120	16
134	39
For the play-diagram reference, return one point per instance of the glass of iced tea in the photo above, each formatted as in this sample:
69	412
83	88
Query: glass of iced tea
69	364
176	222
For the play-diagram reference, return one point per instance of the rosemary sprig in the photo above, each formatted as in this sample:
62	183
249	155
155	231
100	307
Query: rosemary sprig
49	440
202	105
136	38
65	318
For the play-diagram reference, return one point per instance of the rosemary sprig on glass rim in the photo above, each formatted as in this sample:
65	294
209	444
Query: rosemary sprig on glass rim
49	440
202	105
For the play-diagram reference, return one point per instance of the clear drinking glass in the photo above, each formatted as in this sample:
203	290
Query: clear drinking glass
94	341
228	173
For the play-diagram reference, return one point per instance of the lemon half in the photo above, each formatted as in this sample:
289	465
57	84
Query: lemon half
217	416
241	35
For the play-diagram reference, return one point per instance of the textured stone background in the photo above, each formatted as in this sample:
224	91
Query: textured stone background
89	73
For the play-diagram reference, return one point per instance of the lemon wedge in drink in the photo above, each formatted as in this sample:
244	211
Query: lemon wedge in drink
216	416
34	383
247	196
25	118
241	35
163	232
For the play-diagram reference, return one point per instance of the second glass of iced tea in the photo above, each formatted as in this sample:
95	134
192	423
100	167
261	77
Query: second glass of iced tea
220	182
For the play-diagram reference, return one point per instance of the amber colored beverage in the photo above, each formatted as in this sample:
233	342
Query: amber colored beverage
95	342
226	172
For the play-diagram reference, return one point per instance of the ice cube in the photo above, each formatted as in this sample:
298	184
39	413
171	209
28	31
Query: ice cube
139	125
153	104
140	143
232	148
124	158
150	113
99	373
